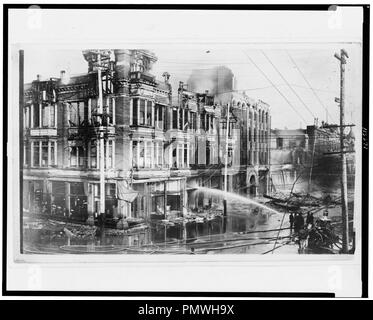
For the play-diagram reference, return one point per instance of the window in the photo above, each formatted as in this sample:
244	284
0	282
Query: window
109	153
207	152
160	153
135	103
149	113
26	117
230	156
280	143
174	118
191	153
159	117
52	154
45	115
93	154
148	155
36	154
26	153
141	153
181	119
203	121
52	111
174	151
134	153
77	112
180	154
142	112
43	153
186	119
109	111
73	156
194	121
77	157
185	155
36	115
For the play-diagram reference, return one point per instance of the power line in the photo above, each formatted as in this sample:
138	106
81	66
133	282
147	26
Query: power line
309	85
278	90
292	89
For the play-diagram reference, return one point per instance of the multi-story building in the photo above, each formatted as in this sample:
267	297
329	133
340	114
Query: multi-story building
158	147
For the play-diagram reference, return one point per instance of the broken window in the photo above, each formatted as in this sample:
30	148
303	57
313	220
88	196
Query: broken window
76	113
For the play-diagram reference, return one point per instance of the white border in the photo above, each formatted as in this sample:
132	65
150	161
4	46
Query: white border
172	273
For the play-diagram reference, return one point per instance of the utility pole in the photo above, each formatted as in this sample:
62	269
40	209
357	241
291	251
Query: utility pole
313	155
97	60
101	139
226	167
345	241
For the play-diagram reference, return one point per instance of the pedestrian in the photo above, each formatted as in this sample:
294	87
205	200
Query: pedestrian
291	221
301	221
309	220
296	223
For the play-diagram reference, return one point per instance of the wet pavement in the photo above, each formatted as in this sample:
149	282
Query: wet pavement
250	227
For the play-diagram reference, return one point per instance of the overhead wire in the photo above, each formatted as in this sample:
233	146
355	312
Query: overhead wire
309	85
288	84
278	90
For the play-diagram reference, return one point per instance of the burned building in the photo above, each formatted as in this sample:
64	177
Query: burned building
157	149
248	130
289	158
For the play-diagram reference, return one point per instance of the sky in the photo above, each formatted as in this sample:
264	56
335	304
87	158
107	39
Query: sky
308	78
185	40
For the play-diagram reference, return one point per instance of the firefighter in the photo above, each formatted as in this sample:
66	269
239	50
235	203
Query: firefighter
309	220
291	221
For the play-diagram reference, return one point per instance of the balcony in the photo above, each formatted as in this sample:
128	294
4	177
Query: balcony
138	76
43	132
77	133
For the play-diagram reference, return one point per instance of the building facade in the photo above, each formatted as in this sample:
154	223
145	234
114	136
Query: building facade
159	147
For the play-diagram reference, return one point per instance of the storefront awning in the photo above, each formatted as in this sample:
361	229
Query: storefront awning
124	193
209	109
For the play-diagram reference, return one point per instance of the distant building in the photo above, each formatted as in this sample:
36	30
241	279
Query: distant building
289	157
311	155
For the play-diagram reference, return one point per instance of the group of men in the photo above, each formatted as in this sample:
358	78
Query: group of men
297	221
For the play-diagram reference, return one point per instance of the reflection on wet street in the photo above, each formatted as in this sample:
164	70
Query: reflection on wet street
247	228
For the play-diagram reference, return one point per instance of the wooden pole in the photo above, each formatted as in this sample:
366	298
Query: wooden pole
344	200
